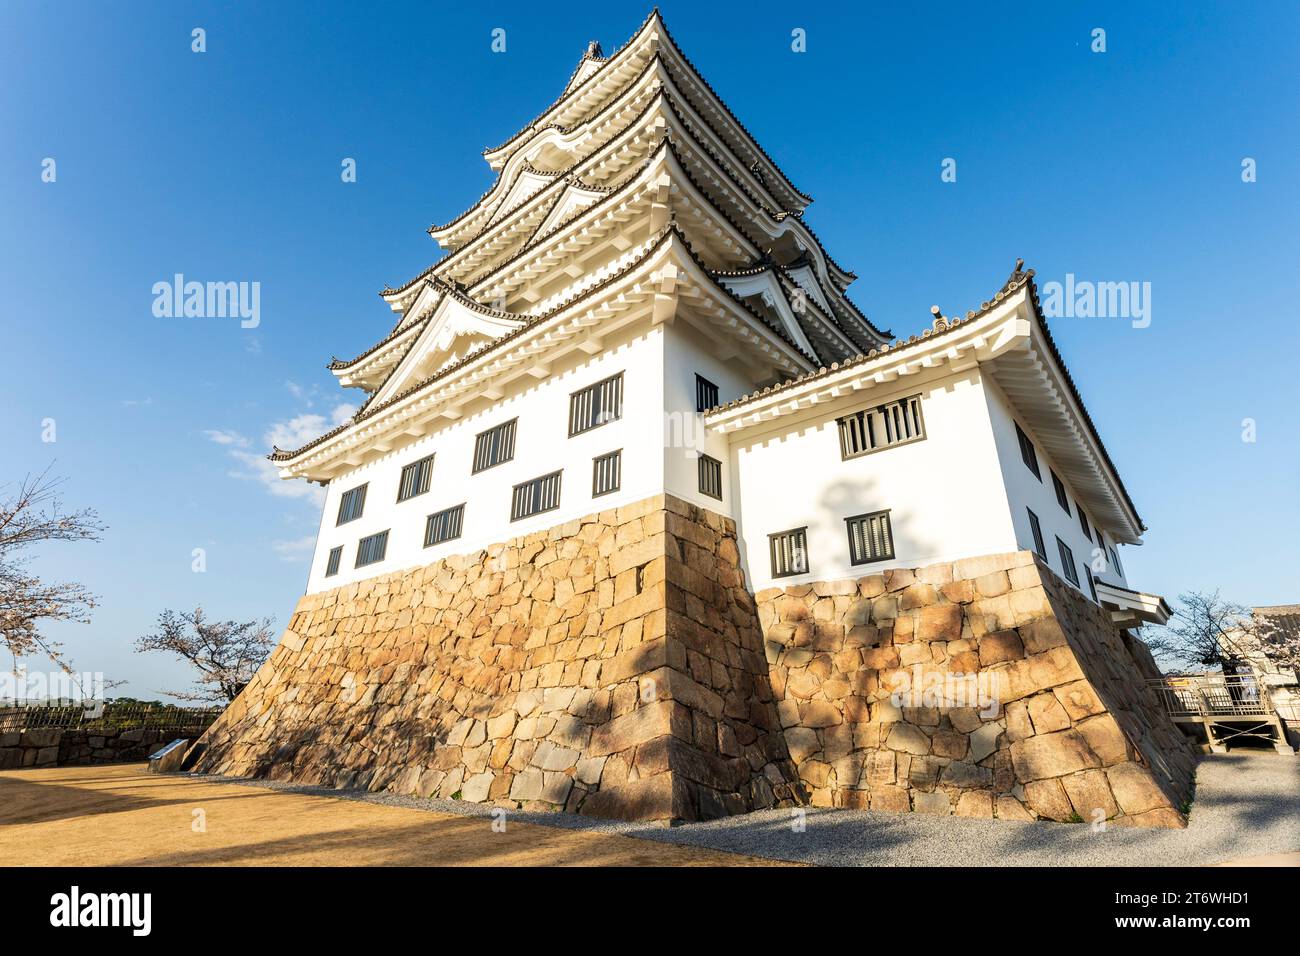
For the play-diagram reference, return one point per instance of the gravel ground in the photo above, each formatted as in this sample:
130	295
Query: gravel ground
1247	804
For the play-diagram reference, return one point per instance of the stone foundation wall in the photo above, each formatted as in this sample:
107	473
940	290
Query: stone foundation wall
1065	729
618	666
609	666
58	747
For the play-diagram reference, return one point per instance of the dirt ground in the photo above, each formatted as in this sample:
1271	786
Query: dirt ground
122	815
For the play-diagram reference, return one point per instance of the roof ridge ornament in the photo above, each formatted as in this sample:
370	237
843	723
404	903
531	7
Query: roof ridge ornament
594	51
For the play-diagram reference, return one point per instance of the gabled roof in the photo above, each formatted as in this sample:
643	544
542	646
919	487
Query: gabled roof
1019	281
483	355
741	133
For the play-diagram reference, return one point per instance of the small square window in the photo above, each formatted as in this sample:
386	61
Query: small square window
352	504
415	478
533	497
1061	499
789	550
1067	560
870	538
443	525
706	394
606	473
372	549
494	446
332	565
596	405
1038	535
710	475
1027	452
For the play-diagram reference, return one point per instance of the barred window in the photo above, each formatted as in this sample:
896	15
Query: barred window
494	446
372	549
1060	493
881	427
332	566
1067	560
443	525
1034	526
706	394
789	552
710	470
606	473
415	478
870	537
534	497
352	504
1083	523
1027	452
596	405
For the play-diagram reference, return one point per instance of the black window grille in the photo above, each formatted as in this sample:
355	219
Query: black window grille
881	427
495	446
372	549
596	405
1027	452
534	497
789	552
1061	498
606	473
710	474
706	394
1067	561
443	525
1034	526
415	478
352	504
870	537
332	565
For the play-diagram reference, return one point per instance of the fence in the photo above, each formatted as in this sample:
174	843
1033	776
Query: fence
92	716
1213	695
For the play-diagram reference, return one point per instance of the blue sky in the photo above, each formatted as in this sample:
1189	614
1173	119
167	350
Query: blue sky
1115	166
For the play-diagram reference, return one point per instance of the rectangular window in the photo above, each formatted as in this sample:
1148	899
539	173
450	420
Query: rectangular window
415	478
534	497
443	526
706	394
1060	493
372	549
332	566
1092	583
1027	452
710	470
789	552
1067	561
870	538
1114	562
494	446
881	427
1083	523
606	473
352	504
596	405
1038	535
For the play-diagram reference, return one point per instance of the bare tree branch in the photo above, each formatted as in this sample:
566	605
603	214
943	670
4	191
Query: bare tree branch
226	654
32	514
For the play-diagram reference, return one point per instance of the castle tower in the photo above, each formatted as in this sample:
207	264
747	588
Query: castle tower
643	517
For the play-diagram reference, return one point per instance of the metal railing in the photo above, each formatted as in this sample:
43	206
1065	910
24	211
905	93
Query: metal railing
93	715
1213	695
